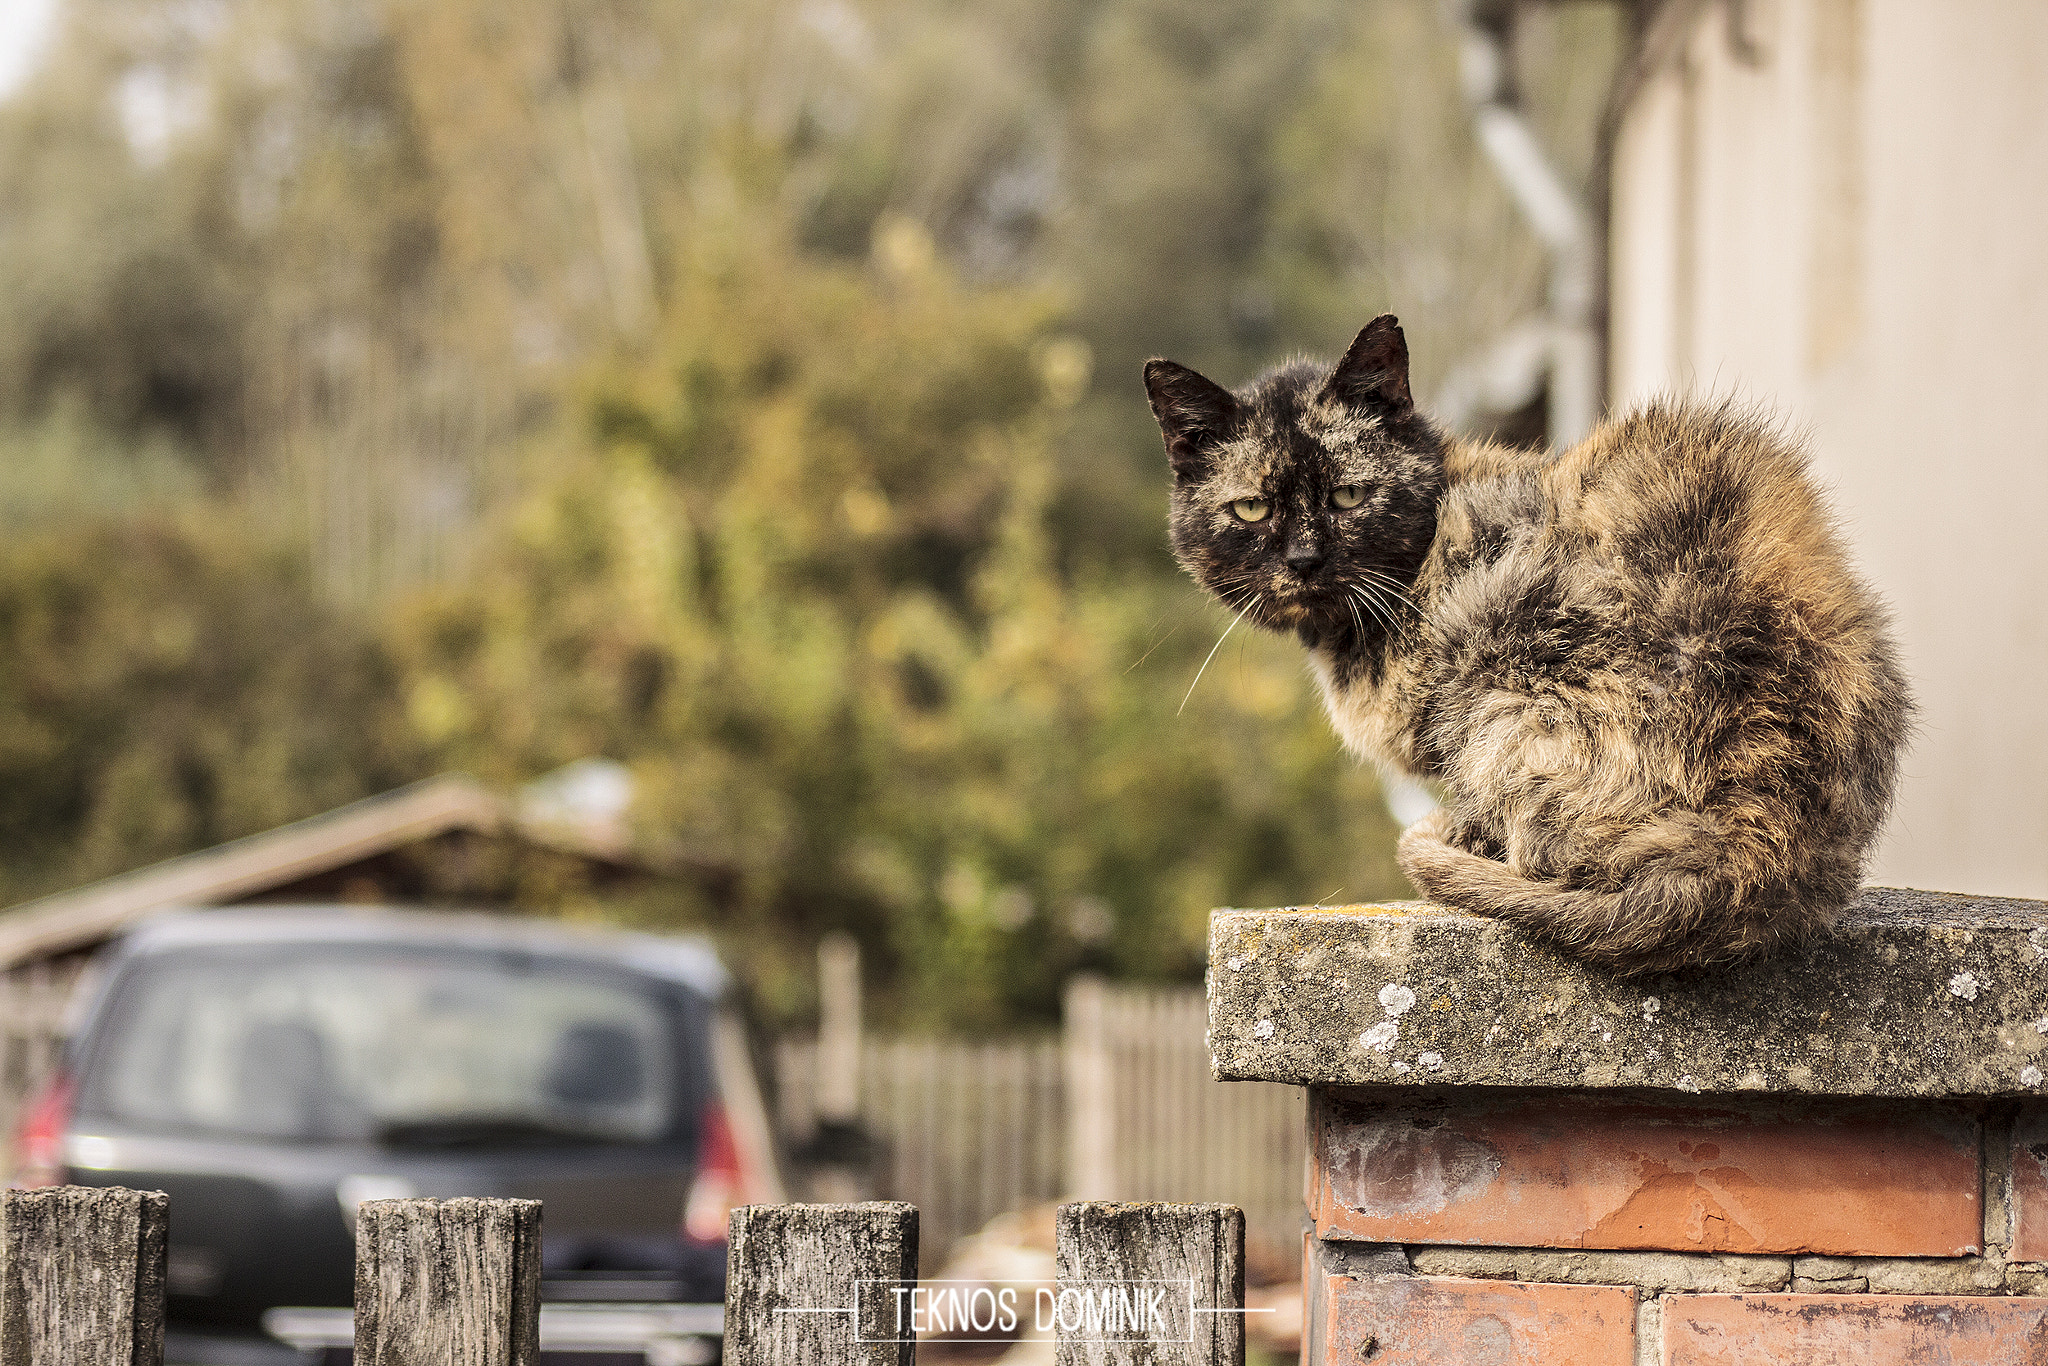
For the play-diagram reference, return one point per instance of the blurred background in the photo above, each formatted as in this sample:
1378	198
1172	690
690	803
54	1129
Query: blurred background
715	429
744	393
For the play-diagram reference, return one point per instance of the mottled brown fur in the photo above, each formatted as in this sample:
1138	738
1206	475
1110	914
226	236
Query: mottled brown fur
1666	711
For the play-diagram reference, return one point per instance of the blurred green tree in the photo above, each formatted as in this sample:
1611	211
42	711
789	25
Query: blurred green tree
169	684
795	567
745	390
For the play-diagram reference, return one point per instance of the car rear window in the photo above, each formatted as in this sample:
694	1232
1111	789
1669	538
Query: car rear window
404	1046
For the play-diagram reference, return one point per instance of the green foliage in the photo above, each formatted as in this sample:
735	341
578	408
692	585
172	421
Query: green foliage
167	686
1224	184
65	465
798	572
746	391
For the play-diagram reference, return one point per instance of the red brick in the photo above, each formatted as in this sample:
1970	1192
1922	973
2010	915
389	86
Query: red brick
1847	1180
2030	1187
1436	1321
1869	1330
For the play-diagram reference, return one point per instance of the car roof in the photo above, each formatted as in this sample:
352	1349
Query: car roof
689	960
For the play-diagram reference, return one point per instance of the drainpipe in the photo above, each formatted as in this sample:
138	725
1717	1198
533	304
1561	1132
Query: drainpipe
1559	220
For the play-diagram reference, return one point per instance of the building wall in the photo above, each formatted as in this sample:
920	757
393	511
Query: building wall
1839	208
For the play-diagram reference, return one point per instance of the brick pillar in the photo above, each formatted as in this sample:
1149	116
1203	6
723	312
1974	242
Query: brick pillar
1837	1156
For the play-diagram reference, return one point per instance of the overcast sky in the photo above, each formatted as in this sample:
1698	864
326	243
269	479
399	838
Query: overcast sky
23	26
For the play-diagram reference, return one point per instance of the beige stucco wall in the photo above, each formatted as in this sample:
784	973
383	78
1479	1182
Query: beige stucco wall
1847	218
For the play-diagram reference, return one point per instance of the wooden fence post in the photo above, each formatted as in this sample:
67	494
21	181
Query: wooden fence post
816	1283
1091	1091
82	1276
838	1030
447	1283
1194	1252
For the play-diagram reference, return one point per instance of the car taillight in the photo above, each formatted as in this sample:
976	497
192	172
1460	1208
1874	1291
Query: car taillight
717	1187
39	1141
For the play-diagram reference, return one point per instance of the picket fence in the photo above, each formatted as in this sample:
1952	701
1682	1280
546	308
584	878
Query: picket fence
1119	1106
83	1279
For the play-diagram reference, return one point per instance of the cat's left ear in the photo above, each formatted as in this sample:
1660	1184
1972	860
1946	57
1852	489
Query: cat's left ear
1193	414
1374	372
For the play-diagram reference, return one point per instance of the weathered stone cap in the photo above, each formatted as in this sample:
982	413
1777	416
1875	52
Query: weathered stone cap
1914	994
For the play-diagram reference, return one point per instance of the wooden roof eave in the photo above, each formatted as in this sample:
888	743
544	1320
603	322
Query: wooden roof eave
68	921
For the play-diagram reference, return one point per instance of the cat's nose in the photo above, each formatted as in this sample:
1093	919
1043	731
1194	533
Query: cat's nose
1303	557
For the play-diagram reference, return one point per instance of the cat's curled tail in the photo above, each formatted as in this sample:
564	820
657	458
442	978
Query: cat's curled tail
1678	909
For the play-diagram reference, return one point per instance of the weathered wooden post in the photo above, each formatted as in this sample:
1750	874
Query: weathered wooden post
1150	1283
82	1276
815	1283
838	1164
838	1030
447	1283
1091	1091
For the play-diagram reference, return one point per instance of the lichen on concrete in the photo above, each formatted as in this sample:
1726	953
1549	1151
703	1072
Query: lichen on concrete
1913	994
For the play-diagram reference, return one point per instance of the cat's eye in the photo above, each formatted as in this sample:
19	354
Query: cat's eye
1251	509
1348	495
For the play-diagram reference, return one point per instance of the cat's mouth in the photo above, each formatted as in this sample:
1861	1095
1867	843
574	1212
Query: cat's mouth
1316	609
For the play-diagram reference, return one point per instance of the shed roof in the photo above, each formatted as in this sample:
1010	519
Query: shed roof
65	922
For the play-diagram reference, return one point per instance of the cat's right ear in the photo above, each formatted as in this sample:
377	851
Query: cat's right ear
1374	372
1193	414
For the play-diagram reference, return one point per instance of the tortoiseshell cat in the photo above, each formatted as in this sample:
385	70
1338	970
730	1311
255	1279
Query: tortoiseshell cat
1666	711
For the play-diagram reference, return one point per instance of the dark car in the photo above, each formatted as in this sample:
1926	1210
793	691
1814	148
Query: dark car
270	1069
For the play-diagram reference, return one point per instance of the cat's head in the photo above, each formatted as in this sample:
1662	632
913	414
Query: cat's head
1297	498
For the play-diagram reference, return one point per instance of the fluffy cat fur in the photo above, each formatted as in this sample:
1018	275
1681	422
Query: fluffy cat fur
1665	710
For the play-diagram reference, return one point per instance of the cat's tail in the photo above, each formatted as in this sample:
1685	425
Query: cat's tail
1681	910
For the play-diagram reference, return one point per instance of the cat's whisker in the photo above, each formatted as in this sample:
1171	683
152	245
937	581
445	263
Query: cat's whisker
1391	584
1357	589
1231	599
1149	651
1242	597
1213	649
1402	600
1365	594
1351	601
1392	610
1388	582
1373	606
1390	605
1358	632
1377	608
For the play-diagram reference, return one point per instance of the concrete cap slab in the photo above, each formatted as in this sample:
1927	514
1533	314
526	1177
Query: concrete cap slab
1913	994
